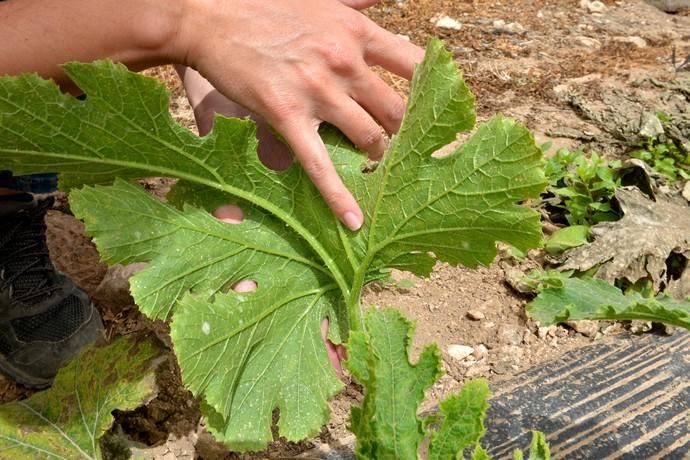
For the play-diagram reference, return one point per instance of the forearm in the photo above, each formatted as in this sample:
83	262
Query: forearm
39	35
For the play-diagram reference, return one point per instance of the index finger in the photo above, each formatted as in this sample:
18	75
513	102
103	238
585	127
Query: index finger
311	152
392	52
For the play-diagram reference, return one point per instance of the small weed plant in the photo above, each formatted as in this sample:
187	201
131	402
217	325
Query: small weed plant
665	158
247	354
582	188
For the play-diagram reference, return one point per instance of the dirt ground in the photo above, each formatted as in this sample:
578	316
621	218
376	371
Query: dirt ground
524	67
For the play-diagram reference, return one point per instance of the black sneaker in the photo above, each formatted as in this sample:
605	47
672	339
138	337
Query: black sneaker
44	318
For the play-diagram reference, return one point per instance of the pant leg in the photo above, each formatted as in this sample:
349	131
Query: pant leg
33	183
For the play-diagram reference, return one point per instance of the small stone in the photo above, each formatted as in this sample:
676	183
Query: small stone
508	28
650	125
509	335
446	22
459	352
546	331
480	352
587	42
476	315
585	327
593	7
637	41
476	371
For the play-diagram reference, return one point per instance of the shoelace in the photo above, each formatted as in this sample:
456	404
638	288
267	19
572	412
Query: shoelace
23	249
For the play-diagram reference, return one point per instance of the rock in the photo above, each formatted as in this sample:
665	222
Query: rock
509	335
650	125
459	352
476	371
510	28
476	315
633	40
686	191
670	6
587	42
480	352
584	327
593	7
446	22
546	331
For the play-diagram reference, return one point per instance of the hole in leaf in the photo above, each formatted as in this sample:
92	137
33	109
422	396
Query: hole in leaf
675	266
245	286
230	214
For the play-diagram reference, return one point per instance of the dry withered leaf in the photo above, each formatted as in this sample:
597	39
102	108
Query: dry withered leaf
638	245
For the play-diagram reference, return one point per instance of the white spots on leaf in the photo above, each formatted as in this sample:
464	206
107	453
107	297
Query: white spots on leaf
137	235
206	328
465	245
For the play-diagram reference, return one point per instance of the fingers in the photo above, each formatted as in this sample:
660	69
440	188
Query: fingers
359	127
229	214
310	151
336	353
358	4
381	101
232	214
392	52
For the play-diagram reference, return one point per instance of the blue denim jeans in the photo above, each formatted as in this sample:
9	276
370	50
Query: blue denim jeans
33	183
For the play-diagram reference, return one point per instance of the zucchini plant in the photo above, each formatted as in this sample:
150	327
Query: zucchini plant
248	354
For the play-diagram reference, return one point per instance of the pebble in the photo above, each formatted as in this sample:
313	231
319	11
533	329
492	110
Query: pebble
476	315
459	352
446	22
650	125
587	42
637	41
510	28
546	331
476	371
584	327
480	352
593	7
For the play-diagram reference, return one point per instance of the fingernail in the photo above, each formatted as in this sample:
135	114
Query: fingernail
352	221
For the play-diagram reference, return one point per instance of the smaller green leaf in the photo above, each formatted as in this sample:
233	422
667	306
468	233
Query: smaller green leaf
386	424
463	417
539	449
567	192
566	238
480	454
67	420
594	299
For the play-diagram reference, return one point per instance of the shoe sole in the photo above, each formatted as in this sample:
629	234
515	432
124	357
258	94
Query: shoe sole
88	333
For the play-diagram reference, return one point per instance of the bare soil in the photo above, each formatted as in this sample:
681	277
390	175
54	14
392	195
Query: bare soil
562	44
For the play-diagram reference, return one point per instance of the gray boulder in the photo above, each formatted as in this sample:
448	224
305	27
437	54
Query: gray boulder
670	6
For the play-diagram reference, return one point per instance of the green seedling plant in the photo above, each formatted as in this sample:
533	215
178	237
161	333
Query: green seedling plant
582	188
247	354
665	158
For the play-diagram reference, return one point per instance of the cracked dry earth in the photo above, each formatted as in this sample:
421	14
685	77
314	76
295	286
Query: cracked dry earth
520	58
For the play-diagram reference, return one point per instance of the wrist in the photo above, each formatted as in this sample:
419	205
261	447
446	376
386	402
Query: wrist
156	29
187	30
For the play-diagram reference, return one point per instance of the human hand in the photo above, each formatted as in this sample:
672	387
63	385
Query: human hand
206	101
298	63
